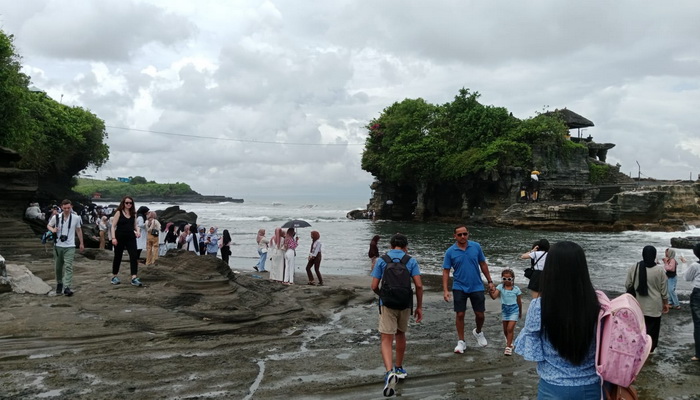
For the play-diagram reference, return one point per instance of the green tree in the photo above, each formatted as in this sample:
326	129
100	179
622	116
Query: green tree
138	180
56	140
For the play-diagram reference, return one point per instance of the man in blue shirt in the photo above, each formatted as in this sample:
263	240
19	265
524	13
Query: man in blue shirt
393	324
468	261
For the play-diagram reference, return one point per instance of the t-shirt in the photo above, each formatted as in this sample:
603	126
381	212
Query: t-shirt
539	257
467	271
380	265
66	226
509	297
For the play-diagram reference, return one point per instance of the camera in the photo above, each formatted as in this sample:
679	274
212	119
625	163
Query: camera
63	238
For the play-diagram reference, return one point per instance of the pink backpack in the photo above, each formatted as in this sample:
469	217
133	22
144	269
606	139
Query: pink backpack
622	344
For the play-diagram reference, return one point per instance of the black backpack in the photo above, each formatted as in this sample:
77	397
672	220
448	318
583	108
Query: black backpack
396	291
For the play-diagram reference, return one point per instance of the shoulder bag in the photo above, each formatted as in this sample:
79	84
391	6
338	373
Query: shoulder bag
631	289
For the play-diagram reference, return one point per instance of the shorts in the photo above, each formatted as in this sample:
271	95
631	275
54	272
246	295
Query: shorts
509	312
460	301
535	281
391	320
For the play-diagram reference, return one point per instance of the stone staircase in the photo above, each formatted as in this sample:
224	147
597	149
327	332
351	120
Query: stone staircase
18	241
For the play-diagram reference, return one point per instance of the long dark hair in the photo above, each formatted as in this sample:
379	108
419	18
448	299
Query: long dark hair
227	238
569	302
121	206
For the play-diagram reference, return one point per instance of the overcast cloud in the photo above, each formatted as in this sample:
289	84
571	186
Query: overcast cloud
312	74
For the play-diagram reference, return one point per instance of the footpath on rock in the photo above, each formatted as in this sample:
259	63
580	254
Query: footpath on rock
200	330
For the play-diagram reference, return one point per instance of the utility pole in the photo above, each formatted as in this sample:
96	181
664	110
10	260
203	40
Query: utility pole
639	172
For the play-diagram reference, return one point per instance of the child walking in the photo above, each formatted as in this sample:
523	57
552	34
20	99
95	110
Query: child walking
511	306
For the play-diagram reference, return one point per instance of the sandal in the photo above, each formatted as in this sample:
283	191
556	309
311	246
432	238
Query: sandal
508	351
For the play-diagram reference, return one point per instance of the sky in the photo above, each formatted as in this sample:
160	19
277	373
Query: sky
271	98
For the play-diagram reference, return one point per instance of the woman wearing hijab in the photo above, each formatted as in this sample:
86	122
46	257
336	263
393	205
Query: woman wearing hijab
692	274
671	265
277	249
315	259
171	238
262	250
649	280
152	233
373	250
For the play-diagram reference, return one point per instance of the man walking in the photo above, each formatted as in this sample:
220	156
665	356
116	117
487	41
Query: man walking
466	258
64	227
393	322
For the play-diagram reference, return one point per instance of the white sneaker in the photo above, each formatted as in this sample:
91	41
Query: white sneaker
461	346
480	338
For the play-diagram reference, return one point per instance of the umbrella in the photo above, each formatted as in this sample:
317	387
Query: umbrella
296	223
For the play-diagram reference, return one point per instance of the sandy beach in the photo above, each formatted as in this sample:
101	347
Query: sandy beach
198	330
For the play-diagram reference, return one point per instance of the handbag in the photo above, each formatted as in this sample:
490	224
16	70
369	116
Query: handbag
154	232
528	272
631	290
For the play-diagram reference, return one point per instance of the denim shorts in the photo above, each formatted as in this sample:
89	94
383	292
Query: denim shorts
510	312
460	300
547	391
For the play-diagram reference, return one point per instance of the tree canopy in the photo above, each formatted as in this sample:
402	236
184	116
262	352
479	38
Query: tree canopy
56	140
413	140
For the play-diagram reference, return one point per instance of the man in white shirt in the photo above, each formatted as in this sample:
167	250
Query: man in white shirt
64	226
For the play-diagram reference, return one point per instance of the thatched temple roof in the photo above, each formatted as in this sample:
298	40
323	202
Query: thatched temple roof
571	119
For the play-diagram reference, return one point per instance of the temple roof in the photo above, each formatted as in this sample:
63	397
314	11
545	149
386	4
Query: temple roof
571	119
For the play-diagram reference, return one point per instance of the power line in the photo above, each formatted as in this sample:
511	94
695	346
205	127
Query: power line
233	140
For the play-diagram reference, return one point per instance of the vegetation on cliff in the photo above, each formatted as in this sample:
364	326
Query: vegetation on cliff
56	140
414	141
137	187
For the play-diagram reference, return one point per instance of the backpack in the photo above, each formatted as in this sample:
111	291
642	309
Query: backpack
396	291
622	344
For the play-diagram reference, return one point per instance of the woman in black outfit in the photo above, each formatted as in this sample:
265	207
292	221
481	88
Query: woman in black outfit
226	246
124	234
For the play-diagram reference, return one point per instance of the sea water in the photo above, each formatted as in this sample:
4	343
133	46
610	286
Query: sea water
346	241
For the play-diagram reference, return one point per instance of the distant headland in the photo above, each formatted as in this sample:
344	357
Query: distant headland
114	189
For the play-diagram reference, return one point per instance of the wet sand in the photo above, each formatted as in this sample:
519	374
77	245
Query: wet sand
199	331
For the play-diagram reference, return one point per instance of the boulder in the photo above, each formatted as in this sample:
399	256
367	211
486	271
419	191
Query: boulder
176	215
687	242
21	280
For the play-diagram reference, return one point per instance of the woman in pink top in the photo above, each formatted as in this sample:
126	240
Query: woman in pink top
291	244
670	265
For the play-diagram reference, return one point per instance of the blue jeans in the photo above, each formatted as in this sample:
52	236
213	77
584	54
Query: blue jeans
695	311
672	297
261	261
547	391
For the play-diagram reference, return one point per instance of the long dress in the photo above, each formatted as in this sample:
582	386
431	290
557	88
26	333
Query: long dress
141	240
276	252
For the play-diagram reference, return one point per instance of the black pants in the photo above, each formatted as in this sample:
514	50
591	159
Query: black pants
653	327
316	263
225	253
125	241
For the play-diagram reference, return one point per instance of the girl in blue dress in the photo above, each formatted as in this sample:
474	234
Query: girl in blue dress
511	306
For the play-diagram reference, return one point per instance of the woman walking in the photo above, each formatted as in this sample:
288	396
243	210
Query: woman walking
277	258
559	332
152	242
124	234
651	285
262	250
315	259
290	243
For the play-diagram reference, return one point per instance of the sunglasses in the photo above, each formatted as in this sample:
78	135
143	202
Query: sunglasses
507	279
463	234
128	202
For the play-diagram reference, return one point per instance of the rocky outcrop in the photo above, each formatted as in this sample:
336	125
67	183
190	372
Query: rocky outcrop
687	242
20	279
176	215
18	186
657	208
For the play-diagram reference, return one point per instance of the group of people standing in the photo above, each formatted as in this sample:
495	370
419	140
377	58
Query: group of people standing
559	330
281	251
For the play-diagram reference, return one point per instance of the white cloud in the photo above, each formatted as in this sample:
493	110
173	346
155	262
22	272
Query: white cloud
242	73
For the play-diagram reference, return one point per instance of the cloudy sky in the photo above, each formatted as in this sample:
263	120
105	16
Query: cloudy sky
254	98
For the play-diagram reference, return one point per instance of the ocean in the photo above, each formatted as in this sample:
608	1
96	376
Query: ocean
346	242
